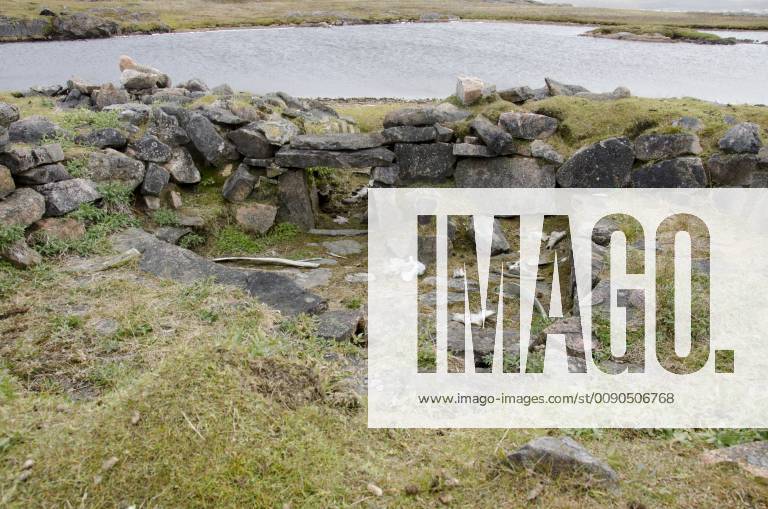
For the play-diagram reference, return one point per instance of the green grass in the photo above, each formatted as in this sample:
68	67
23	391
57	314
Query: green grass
165	217
672	32
233	241
9	235
81	117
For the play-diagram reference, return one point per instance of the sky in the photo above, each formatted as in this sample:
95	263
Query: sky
683	5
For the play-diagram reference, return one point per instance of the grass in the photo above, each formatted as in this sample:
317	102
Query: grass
9	235
82	117
199	14
671	32
233	241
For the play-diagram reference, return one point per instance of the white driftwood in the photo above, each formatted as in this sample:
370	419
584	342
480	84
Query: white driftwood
269	261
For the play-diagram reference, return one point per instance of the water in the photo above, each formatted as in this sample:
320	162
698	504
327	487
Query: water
406	60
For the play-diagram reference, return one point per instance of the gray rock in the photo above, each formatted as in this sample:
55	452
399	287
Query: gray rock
514	171
483	342
107	137
251	142
288	157
689	124
732	169
222	116
155	180
20	255
64	229
618	93
239	185
762	156
675	173
209	142
601	304
751	457
343	247
9	113
409	134
470	90
557	88
44	90
133	113
427	115
256	217
109	95
562	456
48	154
138	80
517	95
17	158
570	328
223	91
543	150
33	129
433	162
601	233
172	234
149	148
22	207
4	138
194	85
528	126
649	147
388	175
498	141
43	175
444	134
182	167
172	262
278	131
339	325
296	199
65	196
7	185
471	150
607	163
347	141
740	139
81	25
499	243
111	166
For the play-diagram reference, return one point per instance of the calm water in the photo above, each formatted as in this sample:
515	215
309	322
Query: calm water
407	60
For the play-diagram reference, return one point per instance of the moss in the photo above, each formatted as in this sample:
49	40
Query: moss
672	32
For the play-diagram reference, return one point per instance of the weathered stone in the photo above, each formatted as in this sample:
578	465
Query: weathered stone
111	166
528	126
20	255
209	142
172	262
387	175
9	113
172	234
252	143
43	175
340	325
288	157
483	341
517	95
562	456
471	150
150	149
742	138
689	124
427	115
239	185
67	195
167	129
107	137
752	457
409	134
607	163
17	159
151	202
432	162
256	217
182	167
22	207
499	243
44	90
557	88
174	200
344	247
347	141
81	25
444	134
498	141
649	147
7	185
4	138
680	172
601	304
601	233
62	229
137	80
732	169
470	90
570	328
296	202
618	93
155	180
133	113
109	95
222	116
259	163
543	150
102	263
762	156
223	90
194	85
514	171
48	154
32	129
278	131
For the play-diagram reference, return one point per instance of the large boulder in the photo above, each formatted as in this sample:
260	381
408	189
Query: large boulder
732	170
256	218
680	172
222	116
528	126
22	207
498	141
207	140
650	147
48	154
107	137
17	158
346	141
155	180
127	63
278	131
410	134
432	162
742	139
137	80
296	199
9	113
113	167
517	95
239	185
109	95
470	90
33	129
65	196
288	157
607	163
514	171
7	185
251	142
81	25
44	174
182	167
148	148
426	115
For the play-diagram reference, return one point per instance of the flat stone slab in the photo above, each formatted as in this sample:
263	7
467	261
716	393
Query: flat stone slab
343	247
172	262
339	325
752	457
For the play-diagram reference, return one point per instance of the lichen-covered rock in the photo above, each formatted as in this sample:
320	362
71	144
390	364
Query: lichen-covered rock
182	167
288	157
256	218
62	229
107	137
470	90
498	141
345	141
155	180
296	200
410	134
649	147
528	126
7	185
20	255
732	170
81	25
22	207
17	158
209	142
618	93
517	95
607	163
543	150
557	88
742	138
109	95
65	196
278	131
33	129
516	171
149	148
111	166
251	142
43	175
9	113
674	173
431	162
427	115
340	325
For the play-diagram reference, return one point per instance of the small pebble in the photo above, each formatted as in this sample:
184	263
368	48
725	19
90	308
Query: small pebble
375	490
109	463
135	418
28	464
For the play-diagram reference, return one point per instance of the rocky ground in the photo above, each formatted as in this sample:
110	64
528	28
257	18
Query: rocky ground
137	370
